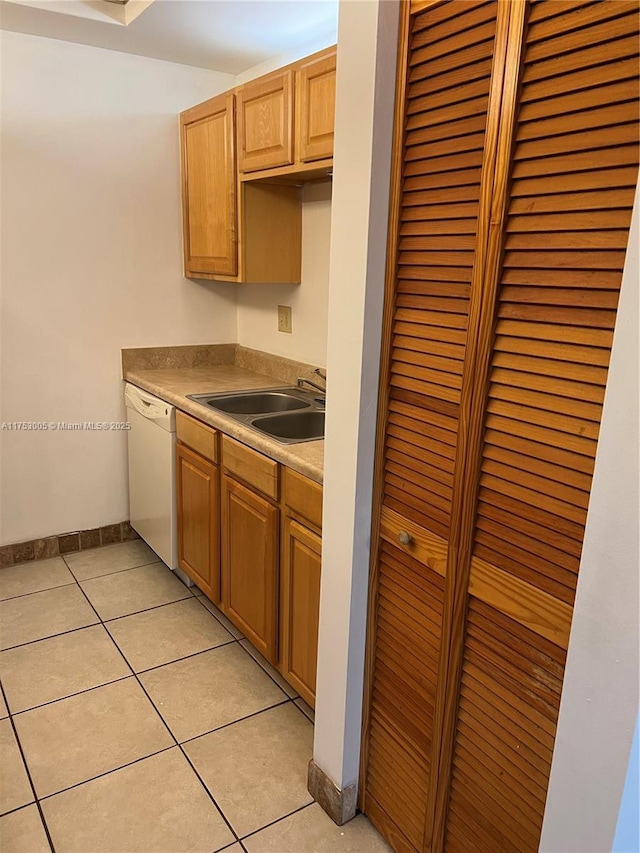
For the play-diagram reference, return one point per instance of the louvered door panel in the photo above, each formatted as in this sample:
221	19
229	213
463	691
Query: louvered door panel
516	171
564	249
446	108
409	615
508	707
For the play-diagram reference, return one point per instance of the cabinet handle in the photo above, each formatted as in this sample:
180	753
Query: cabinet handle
405	538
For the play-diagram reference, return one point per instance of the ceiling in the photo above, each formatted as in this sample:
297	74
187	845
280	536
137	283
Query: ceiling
221	35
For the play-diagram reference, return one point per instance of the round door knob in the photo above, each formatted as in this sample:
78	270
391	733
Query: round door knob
405	538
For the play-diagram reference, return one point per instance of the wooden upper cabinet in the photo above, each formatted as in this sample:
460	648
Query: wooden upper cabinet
265	122
209	187
315	108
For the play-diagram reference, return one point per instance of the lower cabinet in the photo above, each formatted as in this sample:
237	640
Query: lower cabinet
250	533
198	483
300	607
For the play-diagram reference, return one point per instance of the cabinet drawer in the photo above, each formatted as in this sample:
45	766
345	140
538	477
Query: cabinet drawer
198	436
250	466
303	497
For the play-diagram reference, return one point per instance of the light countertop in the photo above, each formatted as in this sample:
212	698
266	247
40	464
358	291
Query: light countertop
172	384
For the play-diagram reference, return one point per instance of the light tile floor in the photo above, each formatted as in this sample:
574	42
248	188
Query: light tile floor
137	718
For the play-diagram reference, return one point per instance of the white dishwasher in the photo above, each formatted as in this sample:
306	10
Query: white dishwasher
152	472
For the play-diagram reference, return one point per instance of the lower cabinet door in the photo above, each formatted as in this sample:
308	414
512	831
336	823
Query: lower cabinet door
199	520
301	605
250	532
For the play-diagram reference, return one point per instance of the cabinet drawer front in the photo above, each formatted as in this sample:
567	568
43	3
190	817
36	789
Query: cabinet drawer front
198	436
250	466
303	497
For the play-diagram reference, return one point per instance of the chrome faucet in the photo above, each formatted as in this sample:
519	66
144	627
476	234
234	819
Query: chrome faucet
322	375
302	382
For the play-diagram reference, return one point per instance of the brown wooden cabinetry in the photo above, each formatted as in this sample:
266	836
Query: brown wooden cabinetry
198	498
265	122
296	104
264	574
231	231
250	545
300	583
244	156
209	202
315	108
301	565
250	564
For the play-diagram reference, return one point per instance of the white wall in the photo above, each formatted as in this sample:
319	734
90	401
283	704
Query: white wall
91	262
367	39
599	704
258	303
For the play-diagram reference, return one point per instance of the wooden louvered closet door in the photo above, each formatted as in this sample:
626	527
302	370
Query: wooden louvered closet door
516	162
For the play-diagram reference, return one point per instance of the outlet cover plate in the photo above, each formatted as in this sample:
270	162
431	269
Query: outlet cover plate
284	319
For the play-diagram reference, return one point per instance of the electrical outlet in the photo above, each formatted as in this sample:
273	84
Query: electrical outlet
284	318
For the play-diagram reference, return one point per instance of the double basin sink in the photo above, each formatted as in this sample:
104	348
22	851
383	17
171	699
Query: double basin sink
289	415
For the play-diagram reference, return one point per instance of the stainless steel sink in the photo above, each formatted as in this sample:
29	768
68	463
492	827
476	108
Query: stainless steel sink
289	415
257	403
297	426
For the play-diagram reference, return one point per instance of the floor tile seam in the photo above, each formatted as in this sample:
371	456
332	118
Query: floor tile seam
71	695
233	722
28	772
136	612
117	647
105	773
278	820
36	591
51	636
210	795
108	574
18	808
184	657
186	758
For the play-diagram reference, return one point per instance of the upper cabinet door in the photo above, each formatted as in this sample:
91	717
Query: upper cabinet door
265	123
316	105
209	187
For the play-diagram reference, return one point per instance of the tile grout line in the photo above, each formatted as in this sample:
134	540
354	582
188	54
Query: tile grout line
239	720
36	591
28	772
70	695
106	773
277	820
108	574
50	636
